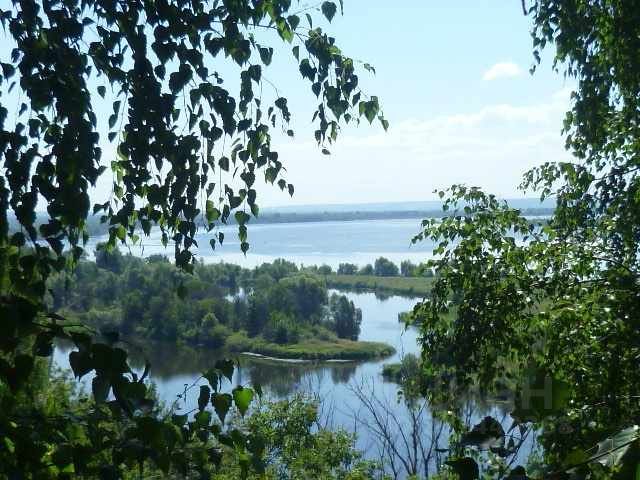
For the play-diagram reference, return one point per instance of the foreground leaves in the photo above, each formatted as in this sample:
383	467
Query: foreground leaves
560	293
188	151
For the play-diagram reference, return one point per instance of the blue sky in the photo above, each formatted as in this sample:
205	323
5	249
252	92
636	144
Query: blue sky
453	79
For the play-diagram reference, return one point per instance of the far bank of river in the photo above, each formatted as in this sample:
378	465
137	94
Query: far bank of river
310	243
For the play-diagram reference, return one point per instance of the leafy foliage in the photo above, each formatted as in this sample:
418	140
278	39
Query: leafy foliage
140	302
347	269
384	267
558	297
153	78
345	316
298	446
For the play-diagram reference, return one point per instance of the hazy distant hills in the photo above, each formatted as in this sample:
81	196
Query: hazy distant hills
425	206
379	211
433	205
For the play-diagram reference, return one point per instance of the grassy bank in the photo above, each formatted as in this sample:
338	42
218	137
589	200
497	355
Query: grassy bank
418	286
318	349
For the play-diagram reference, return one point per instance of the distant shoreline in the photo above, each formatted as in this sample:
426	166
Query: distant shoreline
96	228
312	217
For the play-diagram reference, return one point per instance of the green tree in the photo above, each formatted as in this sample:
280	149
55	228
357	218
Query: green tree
257	315
407	268
134	310
557	299
208	334
297	448
155	68
157	258
347	269
278	269
384	267
109	259
345	316
325	270
281	329
302	295
366	270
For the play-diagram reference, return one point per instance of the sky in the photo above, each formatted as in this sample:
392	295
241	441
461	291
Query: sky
453	81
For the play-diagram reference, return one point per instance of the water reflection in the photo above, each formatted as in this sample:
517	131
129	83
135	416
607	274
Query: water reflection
281	379
343	374
340	386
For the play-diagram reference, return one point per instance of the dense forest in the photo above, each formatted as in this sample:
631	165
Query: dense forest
219	305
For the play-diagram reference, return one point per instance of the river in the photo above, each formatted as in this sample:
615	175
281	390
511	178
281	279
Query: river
347	391
341	387
309	243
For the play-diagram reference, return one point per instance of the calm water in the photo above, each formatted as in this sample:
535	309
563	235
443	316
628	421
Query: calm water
312	243
173	368
340	387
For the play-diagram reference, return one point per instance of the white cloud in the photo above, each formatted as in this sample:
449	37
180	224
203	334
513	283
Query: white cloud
497	124
502	70
490	147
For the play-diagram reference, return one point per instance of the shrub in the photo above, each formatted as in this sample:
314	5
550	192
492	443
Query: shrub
281	329
407	268
239	342
346	318
325	270
366	270
215	335
347	269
